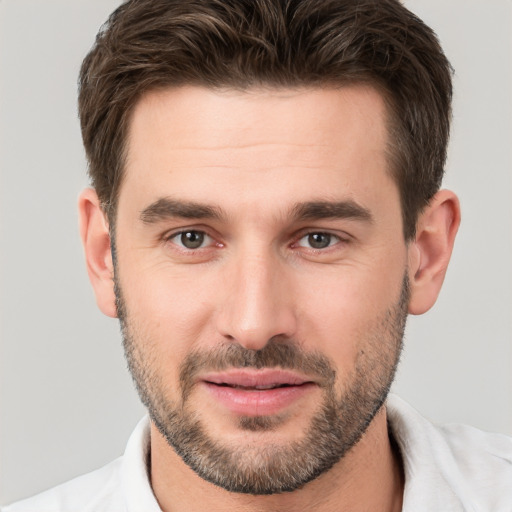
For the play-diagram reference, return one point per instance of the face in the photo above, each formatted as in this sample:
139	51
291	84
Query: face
260	277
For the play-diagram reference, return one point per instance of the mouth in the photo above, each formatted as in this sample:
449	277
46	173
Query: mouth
255	388
256	379
257	392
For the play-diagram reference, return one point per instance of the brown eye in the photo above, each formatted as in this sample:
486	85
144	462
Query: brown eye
318	240
191	239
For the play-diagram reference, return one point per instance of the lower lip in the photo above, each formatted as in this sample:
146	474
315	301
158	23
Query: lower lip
258	402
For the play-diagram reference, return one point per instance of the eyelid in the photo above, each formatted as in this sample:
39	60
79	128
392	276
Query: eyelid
342	237
171	236
333	240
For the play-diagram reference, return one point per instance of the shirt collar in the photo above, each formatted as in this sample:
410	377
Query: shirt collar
427	462
135	478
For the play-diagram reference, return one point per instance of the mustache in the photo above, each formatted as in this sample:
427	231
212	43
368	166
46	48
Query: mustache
277	353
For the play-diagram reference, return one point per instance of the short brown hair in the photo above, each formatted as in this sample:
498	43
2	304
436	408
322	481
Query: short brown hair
150	44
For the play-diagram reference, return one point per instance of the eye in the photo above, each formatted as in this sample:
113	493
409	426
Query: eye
318	240
191	239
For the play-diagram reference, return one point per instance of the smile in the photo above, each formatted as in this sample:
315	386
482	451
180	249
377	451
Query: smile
257	392
256	388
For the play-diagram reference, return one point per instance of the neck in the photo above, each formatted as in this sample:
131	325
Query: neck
369	477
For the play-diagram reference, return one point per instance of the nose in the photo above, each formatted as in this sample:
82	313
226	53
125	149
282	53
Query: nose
257	302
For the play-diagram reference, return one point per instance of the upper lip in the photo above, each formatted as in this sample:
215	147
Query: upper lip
253	378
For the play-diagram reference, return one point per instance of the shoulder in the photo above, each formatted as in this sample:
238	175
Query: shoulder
121	486
98	491
454	462
483	459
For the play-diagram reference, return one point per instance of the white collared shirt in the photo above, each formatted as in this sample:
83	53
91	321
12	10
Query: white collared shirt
447	469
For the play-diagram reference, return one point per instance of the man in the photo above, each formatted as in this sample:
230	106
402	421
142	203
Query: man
266	212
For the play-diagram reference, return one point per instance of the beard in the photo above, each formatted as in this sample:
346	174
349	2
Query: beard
339	422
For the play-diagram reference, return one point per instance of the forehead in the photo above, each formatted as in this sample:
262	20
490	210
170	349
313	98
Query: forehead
270	143
318	116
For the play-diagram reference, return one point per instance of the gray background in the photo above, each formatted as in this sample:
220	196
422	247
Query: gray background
66	401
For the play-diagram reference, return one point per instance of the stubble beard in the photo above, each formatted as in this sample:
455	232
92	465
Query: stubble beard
338	424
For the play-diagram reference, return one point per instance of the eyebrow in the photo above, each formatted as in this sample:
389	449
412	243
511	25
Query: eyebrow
318	210
168	208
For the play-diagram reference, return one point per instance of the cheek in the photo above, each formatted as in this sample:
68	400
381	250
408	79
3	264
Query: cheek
172	312
167	316
330	319
339	312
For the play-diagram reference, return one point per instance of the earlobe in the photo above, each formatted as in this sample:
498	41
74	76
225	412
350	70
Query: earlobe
94	231
430	252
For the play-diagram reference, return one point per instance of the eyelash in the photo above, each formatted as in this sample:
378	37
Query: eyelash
337	239
170	238
303	235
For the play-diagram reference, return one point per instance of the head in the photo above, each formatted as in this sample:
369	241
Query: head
266	213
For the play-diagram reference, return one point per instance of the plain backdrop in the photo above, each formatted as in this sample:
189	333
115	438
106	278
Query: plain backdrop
67	404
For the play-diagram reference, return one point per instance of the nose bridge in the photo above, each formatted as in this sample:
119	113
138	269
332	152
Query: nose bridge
258	307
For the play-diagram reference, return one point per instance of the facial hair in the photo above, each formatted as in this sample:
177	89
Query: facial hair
338	424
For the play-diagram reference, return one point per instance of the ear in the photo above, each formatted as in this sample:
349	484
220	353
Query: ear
94	231
430	252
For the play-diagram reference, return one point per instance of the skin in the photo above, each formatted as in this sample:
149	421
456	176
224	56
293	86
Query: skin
255	155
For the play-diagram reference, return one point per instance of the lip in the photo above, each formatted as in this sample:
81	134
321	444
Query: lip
257	392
